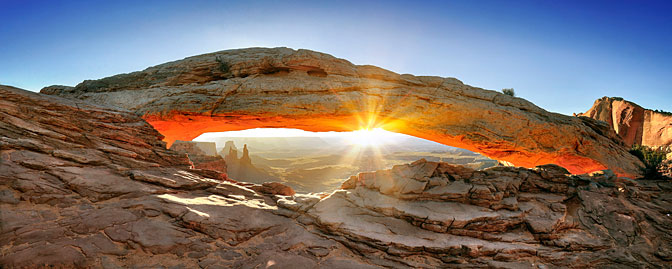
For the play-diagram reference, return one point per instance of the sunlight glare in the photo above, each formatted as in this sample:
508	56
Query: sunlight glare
370	137
362	138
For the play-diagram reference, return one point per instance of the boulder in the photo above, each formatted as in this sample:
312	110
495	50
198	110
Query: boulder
274	188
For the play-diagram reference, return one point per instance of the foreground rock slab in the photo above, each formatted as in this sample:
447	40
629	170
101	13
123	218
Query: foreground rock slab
89	186
285	88
100	190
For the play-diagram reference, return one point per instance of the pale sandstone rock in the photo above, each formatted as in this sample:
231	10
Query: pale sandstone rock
172	178
113	196
140	205
298	202
543	213
281	87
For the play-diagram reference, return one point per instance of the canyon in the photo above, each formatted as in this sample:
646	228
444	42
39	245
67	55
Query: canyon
321	163
285	88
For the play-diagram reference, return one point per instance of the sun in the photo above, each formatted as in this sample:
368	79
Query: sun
368	137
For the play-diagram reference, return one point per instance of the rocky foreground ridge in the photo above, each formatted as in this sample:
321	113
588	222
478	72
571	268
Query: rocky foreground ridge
89	186
281	87
633	123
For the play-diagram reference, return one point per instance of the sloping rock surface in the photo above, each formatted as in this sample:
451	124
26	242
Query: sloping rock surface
636	125
281	87
87	186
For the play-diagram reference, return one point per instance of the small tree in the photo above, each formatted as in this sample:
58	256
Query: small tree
223	65
652	159
509	91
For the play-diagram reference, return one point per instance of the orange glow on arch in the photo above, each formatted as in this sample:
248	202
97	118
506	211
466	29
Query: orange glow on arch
186	128
378	108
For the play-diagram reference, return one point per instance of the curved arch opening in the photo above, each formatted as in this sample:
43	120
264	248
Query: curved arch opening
465	135
321	161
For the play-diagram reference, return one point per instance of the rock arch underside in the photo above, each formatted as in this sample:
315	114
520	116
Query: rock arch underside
281	87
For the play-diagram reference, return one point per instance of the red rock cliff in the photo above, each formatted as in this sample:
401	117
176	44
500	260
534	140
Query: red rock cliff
636	125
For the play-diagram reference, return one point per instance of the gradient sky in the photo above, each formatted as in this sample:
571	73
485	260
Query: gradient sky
561	55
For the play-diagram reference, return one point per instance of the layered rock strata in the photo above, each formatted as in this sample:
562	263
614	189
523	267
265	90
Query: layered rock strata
242	168
633	123
203	155
504	216
195	148
285	88
88	186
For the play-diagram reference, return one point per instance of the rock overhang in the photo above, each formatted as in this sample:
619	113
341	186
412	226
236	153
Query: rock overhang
281	87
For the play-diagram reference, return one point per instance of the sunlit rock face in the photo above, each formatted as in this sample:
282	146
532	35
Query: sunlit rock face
85	186
636	125
281	87
502	216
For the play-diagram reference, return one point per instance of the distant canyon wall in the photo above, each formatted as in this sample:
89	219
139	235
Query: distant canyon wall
633	123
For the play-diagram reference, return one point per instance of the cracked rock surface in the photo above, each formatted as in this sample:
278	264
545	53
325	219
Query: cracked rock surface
89	186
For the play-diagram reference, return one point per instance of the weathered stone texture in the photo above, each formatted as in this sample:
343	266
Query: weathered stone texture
88	186
285	88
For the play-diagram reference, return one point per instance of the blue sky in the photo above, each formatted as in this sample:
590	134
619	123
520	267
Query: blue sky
561	55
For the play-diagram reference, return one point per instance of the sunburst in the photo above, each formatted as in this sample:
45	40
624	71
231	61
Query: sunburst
368	137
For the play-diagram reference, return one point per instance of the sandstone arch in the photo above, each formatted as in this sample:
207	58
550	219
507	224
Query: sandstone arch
281	87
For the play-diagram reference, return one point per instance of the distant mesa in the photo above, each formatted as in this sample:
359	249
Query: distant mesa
633	123
203	155
194	147
242	168
227	147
